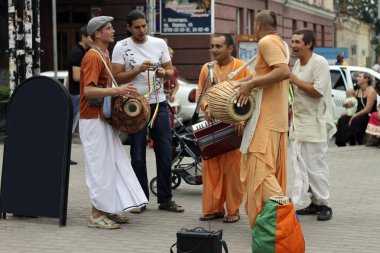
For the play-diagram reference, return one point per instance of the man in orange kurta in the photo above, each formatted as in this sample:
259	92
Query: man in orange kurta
221	174
263	168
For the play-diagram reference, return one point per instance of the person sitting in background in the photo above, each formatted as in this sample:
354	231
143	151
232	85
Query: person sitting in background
376	67
351	104
373	129
340	60
351	129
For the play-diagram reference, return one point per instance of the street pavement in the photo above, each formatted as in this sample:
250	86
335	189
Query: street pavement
355	226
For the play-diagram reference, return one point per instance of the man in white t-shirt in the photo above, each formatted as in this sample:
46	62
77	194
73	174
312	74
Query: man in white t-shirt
145	61
312	127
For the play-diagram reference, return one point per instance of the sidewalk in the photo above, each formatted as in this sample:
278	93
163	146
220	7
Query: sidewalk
355	226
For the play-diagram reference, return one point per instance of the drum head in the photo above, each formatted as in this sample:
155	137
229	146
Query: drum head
130	114
132	108
241	113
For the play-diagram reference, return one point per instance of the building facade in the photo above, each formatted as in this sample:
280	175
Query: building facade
191	51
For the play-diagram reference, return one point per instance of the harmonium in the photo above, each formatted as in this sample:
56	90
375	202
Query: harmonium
215	138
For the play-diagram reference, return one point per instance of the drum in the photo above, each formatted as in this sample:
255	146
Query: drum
220	99
130	113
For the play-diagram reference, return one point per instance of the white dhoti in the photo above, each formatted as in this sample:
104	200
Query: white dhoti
311	173
112	183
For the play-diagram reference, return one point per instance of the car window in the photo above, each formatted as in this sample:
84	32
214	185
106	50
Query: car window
337	80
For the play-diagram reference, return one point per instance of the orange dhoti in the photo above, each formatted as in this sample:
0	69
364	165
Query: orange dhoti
221	183
263	170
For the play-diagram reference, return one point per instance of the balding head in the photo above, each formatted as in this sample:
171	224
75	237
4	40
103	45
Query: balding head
268	19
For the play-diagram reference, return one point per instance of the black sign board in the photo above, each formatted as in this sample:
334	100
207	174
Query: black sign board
37	147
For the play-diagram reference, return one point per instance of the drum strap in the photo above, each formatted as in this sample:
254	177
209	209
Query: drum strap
114	83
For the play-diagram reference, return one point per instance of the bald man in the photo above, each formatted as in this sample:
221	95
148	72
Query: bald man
263	163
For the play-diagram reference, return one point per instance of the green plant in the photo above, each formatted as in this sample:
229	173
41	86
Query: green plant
4	93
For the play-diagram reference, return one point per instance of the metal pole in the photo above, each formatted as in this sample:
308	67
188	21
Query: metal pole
55	51
151	9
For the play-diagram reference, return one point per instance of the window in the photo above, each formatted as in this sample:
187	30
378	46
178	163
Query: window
250	21
337	80
323	36
294	25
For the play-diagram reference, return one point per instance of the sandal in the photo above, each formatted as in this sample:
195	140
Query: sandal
138	210
231	218
102	222
118	218
171	206
212	216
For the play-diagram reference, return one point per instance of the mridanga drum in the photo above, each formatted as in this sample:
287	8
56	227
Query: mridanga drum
221	100
130	113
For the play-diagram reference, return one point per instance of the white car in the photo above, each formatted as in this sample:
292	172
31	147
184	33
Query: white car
344	78
186	96
62	75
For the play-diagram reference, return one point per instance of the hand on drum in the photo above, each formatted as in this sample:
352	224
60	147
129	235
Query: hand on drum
243	94
239	128
208	115
126	89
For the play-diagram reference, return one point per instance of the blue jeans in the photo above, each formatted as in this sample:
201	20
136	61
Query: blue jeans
75	99
161	134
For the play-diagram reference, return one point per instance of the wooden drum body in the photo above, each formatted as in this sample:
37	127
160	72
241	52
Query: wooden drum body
220	98
130	114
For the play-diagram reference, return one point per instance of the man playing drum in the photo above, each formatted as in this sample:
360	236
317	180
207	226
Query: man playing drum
112	183
263	168
221	174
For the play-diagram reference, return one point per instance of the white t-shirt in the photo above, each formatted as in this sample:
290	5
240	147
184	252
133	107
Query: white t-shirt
132	54
376	67
313	117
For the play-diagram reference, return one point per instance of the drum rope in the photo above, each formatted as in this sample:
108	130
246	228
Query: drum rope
152	90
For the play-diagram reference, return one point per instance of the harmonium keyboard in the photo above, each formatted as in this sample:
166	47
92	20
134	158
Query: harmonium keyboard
215	138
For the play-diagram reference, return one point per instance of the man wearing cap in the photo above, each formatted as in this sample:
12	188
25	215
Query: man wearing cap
112	184
145	61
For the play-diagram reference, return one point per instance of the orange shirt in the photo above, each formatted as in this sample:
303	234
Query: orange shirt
274	105
220	75
92	72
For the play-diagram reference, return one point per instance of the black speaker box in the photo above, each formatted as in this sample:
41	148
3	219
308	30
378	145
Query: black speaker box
199	240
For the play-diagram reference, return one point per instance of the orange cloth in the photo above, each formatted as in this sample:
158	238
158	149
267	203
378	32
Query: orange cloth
263	175
92	72
263	168
221	174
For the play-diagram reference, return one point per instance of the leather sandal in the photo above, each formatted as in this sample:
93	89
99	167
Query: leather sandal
231	218
118	218
138	210
102	222
171	206
212	216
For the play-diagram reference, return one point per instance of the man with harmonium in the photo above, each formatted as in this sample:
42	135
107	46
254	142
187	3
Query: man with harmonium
221	173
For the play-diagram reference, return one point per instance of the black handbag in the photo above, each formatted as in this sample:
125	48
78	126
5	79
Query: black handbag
199	240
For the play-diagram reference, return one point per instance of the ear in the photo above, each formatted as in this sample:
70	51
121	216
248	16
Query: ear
128	28
230	48
309	44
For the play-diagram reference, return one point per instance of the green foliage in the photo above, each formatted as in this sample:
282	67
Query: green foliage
364	10
4	93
